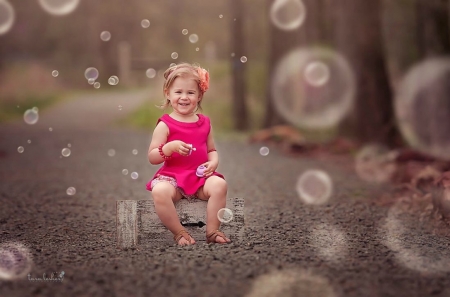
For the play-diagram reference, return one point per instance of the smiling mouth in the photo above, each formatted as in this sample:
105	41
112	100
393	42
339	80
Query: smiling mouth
183	104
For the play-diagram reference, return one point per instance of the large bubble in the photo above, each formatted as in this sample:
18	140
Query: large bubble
7	16
59	7
422	107
313	88
287	14
314	187
31	116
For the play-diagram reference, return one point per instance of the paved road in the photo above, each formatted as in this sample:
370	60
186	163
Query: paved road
351	246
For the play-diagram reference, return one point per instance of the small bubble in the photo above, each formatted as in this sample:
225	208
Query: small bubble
174	55
151	73
29	141
193	38
234	20
31	116
185	31
124	171
233	54
221	16
35	109
172	64
145	23
91	81
134	175
111	152
243	59
97	85
197	49
65	152
50	129
20	149
120	107
55	73
105	36
135	152
264	151
225	215
71	191
69	145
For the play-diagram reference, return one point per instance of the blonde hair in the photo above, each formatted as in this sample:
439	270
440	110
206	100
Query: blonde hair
181	70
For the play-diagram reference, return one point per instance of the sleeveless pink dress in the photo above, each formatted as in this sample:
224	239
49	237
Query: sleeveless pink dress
182	168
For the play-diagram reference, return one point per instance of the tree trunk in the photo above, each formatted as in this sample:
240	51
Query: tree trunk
433	34
359	39
240	112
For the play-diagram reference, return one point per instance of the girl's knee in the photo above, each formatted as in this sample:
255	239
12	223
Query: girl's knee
217	184
162	191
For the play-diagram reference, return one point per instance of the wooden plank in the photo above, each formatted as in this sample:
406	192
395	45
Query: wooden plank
126	223
192	214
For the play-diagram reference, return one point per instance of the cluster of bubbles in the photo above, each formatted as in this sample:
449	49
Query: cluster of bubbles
113	80
91	74
31	116
15	261
150	73
264	151
120	107
71	191
313	88
375	163
59	7
314	187
105	36
422	107
145	23
287	14
225	215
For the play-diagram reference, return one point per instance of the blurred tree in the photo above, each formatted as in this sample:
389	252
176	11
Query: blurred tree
240	112
359	39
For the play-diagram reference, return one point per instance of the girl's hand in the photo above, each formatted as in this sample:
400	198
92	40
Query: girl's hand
211	166
178	146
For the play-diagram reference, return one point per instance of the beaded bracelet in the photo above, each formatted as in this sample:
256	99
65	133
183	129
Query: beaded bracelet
212	150
162	153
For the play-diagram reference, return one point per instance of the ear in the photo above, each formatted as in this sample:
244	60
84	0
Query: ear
166	93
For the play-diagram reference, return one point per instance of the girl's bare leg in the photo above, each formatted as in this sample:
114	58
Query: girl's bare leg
165	196
215	191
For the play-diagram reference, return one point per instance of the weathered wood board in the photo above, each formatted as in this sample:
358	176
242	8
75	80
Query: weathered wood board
138	223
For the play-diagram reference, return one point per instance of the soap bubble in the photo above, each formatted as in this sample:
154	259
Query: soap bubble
111	152
71	191
193	38
113	80
124	171
91	81
221	16
120	107
105	36
97	85
65	152
31	116
172	64
135	152
134	175
59	7
243	59
317	74
151	73
91	73
304	105
264	151
15	261
7	16
185	31
20	149
375	163
55	73
314	187
145	23
225	215
422	107
50	129
29	141
287	14
174	55
197	49
69	145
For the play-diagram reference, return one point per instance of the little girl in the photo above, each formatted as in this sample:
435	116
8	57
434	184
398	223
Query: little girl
173	140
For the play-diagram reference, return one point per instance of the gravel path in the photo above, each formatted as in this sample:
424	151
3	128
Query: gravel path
352	246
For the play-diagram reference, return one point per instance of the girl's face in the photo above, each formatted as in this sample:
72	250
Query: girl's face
184	95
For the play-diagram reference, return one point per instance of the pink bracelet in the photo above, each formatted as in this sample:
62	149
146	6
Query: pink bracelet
162	153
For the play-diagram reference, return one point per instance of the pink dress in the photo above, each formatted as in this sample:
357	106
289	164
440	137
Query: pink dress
183	168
